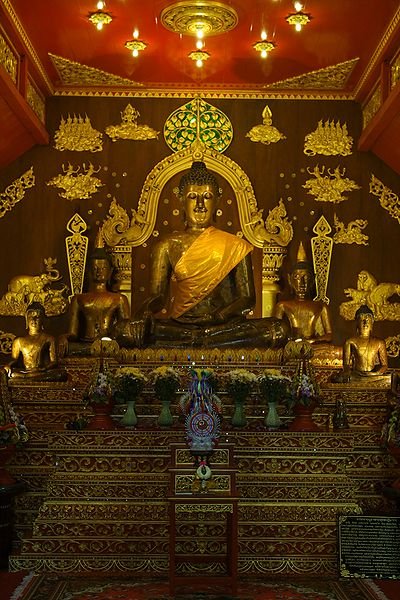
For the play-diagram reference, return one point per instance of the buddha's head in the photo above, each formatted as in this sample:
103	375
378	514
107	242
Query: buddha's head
100	266
365	320
34	317
199	194
301	278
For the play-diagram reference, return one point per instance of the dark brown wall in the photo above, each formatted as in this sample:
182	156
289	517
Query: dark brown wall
36	226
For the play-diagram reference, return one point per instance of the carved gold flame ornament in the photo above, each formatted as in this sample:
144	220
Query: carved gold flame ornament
76	133
129	129
387	198
76	247
330	139
321	247
119	228
265	133
16	191
198	120
352	234
6	340
373	294
330	187
76	185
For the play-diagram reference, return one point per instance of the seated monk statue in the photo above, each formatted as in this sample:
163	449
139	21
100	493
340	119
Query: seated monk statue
98	312
363	355
34	356
208	276
308	319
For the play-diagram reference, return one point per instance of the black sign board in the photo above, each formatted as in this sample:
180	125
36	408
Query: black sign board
369	546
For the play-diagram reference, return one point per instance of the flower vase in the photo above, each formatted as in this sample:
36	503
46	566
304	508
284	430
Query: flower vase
272	419
102	416
239	417
130	419
6	452
303	418
165	419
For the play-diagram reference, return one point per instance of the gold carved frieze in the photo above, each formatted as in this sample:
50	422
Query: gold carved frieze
77	184
204	355
297	491
6	340
259	441
206	569
90	564
331	186
8	60
303	513
204	508
129	129
293	465
35	101
329	139
76	247
103	489
198	120
321	246
352	233
265	133
76	133
108	529
115	511
120	228
292	566
333	77
393	345
375	295
275	229
114	464
277	547
372	106
250	530
186	483
16	191
387	198
76	74
395	72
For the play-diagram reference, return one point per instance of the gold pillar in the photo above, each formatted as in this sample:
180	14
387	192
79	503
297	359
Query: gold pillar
273	255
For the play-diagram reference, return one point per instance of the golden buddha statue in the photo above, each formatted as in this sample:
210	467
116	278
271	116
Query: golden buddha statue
208	276
308	319
99	312
363	355
34	356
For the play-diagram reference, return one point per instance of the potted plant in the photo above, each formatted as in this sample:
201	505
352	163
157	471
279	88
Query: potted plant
166	381
273	387
303	397
100	398
239	384
129	384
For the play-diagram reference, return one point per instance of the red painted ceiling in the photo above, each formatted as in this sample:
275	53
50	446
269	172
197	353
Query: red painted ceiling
340	30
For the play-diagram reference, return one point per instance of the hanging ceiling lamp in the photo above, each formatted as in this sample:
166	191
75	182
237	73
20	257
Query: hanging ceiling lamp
264	46
99	18
299	18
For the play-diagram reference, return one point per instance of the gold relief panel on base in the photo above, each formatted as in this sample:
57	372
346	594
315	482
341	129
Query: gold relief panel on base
115	511
295	465
314	513
184	483
98	545
106	490
95	564
278	531
200	546
125	465
121	530
285	548
209	568
291	441
288	566
297	492
184	457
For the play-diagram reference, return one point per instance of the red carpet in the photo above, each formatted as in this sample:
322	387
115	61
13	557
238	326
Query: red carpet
51	587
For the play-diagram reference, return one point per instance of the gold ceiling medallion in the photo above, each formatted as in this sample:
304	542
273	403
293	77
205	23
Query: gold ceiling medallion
373	294
74	73
119	228
387	198
334	77
199	18
352	234
329	138
16	191
265	133
76	247
198	120
330	187
76	133
321	246
129	129
76	185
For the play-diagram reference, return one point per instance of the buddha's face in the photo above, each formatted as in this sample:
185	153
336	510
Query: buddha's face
301	281
199	202
34	320
365	323
100	270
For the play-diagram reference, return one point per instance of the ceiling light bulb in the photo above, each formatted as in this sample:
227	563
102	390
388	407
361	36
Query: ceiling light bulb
100	5
135	33
298	27
264	54
199	63
135	53
264	35
99	25
199	44
199	34
298	6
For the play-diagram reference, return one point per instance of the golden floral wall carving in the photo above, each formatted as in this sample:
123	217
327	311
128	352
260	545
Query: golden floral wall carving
330	187
321	246
329	139
372	106
35	101
373	294
350	233
76	185
76	248
8	60
76	133
387	198
265	133
119	228
395	72
334	77
74	73
129	129
16	191
275	229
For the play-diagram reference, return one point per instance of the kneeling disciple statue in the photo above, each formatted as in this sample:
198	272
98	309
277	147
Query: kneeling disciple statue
209	278
34	356
363	355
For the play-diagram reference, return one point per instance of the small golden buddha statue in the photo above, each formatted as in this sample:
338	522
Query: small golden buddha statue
363	355
34	356
308	319
98	312
207	275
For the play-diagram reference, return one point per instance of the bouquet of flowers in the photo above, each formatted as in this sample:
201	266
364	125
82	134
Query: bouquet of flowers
390	434
129	383
101	389
303	388
166	382
273	385
240	383
12	427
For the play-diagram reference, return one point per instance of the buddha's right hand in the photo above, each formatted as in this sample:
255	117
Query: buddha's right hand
62	346
139	330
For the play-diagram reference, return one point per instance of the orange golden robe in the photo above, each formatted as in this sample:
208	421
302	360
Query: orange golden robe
203	266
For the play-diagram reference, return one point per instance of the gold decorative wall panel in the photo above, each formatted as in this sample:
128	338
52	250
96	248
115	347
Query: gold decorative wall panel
16	191
8	60
334	77
387	198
